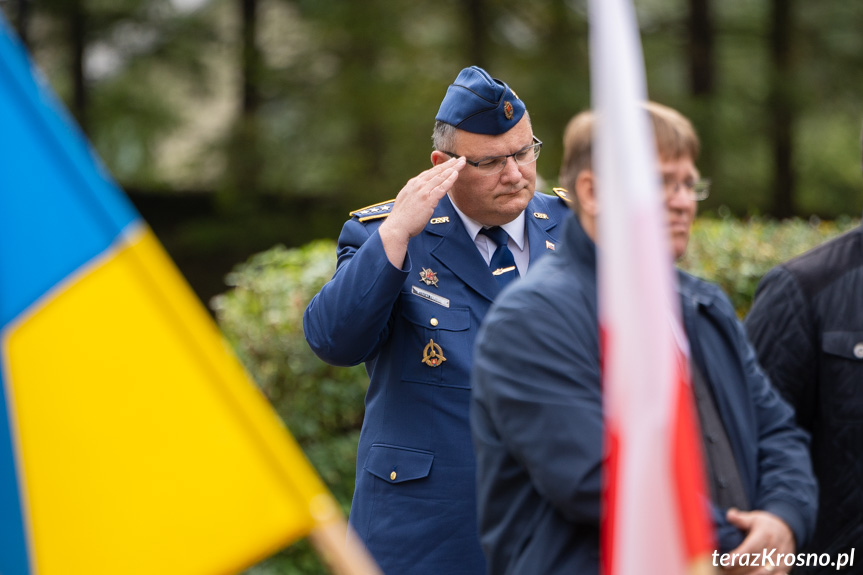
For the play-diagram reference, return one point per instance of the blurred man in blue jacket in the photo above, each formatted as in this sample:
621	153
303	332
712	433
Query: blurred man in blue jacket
415	278
537	410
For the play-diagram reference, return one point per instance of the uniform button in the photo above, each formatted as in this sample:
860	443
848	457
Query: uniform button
858	350
434	323
393	476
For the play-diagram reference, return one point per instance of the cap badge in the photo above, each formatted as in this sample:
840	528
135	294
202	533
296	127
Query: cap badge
507	110
433	354
429	277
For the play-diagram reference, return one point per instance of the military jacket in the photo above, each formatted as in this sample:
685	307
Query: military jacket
414	503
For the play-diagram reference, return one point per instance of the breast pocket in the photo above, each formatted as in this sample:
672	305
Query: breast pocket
396	464
438	345
842	372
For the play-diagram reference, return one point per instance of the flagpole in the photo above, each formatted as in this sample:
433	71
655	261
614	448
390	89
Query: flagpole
342	549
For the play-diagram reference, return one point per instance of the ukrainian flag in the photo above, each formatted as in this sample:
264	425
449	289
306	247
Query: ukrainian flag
131	440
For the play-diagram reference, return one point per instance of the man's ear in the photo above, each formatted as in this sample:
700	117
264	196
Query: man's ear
438	157
585	192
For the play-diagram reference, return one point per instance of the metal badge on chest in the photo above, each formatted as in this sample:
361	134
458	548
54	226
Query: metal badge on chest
433	354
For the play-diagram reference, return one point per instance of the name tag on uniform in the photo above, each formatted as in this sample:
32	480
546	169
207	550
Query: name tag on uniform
432	297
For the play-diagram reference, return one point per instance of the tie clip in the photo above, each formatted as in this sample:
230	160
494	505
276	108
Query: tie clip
500	271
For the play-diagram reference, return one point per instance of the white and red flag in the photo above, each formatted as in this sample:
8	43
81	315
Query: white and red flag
655	514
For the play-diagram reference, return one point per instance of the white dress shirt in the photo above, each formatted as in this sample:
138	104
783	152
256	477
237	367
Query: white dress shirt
518	243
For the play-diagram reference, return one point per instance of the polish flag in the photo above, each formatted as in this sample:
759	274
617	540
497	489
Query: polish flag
655	513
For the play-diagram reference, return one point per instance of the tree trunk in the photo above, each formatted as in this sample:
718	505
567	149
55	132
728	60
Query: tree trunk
244	164
78	42
702	78
251	99
365	66
701	56
476	32
781	103
22	21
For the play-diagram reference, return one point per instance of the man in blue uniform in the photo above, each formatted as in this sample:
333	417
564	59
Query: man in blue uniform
415	278
537	417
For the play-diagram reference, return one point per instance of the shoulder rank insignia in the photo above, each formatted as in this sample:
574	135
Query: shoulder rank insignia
562	194
433	354
429	277
374	211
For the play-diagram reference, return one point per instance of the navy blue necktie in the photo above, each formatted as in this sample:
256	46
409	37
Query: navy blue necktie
502	263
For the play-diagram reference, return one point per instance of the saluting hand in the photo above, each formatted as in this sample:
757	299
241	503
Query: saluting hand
414	206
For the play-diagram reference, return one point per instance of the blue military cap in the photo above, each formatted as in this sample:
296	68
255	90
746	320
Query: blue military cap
478	103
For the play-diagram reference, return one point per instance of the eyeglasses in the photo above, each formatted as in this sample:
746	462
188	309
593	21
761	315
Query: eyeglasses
495	164
695	189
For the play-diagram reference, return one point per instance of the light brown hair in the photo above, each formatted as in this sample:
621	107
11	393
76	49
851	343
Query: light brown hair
675	139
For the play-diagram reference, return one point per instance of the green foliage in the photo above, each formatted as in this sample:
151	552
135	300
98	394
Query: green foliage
736	254
262	317
137	65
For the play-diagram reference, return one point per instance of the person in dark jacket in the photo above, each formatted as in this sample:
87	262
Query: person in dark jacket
537	409
806	324
415	278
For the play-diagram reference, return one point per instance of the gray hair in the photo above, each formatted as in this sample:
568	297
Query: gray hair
443	136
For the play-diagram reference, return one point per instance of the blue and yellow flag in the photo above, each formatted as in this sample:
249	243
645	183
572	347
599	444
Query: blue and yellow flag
131	440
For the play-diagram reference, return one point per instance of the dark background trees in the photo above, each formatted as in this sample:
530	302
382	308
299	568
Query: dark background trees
238	124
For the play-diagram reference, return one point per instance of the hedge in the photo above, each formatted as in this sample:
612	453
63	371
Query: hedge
736	254
262	318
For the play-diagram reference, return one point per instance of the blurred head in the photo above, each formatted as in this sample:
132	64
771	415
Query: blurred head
677	149
482	119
